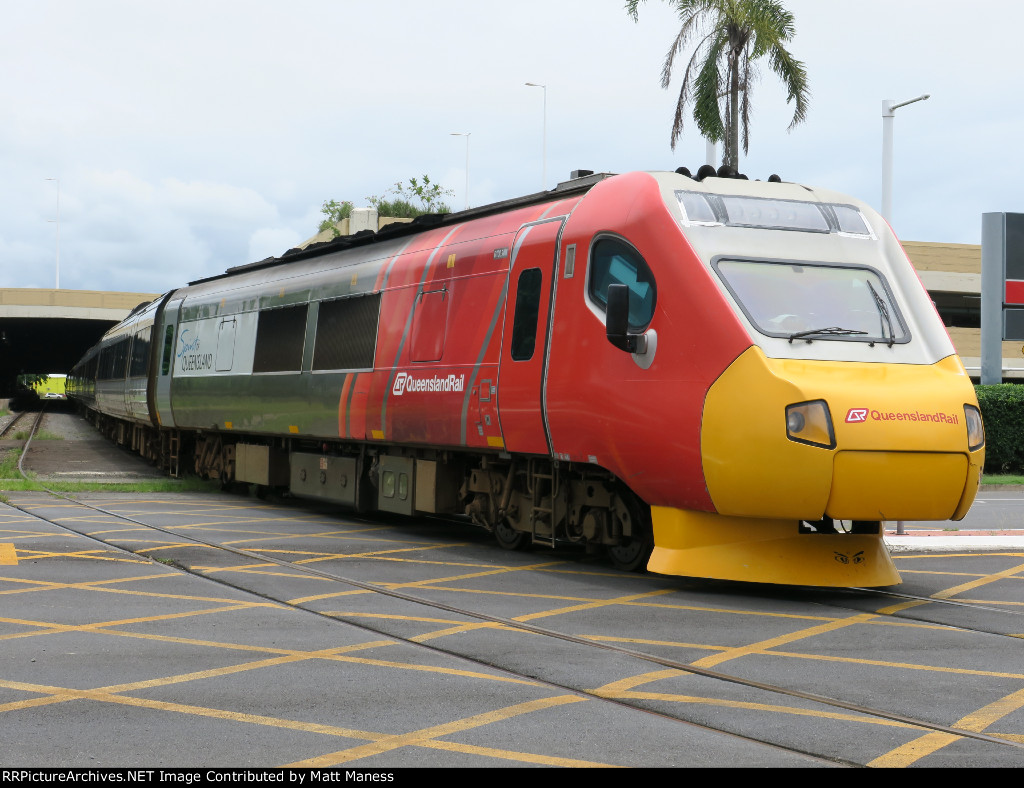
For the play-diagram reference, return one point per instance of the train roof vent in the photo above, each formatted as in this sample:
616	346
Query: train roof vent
578	179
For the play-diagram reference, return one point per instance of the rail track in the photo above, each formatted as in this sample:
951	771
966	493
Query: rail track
21	419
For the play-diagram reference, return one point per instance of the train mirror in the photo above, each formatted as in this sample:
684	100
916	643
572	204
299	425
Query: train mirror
616	324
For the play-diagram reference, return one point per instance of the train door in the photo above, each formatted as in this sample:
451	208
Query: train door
521	406
164	347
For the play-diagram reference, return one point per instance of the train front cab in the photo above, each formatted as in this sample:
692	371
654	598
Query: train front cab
849	410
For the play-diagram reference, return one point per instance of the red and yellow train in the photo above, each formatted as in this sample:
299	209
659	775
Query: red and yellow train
709	377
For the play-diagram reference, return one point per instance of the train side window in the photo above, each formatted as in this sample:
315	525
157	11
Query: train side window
139	363
119	356
280	337
524	325
165	367
615	262
346	333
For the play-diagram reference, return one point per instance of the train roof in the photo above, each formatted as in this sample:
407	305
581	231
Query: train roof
576	185
580	182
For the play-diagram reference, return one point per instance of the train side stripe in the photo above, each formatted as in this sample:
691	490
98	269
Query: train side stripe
385	270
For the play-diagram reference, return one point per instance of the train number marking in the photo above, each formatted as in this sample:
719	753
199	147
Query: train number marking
857	415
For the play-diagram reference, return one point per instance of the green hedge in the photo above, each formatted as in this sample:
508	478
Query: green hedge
1002	408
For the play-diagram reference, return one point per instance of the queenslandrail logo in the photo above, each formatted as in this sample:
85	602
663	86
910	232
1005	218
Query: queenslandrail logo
861	415
407	384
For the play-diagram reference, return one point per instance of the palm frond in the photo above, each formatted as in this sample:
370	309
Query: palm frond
724	64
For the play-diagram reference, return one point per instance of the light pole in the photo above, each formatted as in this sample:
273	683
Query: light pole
711	153
466	135
888	108
57	220
544	176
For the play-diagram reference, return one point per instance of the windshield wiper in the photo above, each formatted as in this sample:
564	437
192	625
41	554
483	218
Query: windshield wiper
830	331
883	310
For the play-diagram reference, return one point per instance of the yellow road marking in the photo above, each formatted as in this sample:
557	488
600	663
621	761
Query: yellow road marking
511	755
140	620
981	581
94	555
61	695
828	658
489	572
764	645
421	736
975	722
617	691
95	585
337	654
7	555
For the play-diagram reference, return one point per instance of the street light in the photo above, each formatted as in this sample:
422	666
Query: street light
544	177
466	135
887	115
57	220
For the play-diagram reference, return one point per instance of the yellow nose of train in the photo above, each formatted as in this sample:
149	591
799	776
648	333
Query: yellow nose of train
899	447
805	461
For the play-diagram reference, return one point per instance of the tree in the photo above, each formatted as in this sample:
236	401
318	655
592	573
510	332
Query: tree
734	35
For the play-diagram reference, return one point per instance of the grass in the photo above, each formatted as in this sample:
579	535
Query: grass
156	486
9	464
1002	478
11	480
41	435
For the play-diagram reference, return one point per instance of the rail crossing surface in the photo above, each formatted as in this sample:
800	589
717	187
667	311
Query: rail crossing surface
221	630
423	644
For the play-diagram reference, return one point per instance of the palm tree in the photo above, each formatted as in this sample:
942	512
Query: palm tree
735	34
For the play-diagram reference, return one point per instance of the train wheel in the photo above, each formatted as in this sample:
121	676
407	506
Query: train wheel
509	538
632	552
631	556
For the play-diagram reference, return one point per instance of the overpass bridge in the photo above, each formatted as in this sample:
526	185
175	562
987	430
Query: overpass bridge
45	331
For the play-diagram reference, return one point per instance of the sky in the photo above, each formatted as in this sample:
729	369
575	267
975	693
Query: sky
176	140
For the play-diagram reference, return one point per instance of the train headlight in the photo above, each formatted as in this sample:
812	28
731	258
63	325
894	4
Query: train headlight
975	428
810	423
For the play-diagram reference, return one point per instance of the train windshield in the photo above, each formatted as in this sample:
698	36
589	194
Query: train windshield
812	302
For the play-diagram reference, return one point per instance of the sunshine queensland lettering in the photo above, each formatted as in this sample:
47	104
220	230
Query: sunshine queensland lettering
196	362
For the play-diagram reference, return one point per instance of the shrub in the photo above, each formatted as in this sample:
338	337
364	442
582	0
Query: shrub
429	196
1002	408
335	212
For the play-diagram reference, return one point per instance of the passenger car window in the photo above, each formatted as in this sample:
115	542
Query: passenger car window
280	336
524	326
615	262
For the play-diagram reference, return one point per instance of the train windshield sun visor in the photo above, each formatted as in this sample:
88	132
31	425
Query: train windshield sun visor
813	302
702	208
